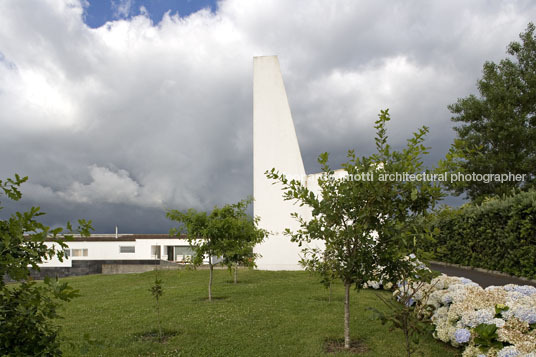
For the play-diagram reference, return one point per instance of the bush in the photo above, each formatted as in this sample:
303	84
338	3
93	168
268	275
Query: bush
499	234
27	310
26	314
495	321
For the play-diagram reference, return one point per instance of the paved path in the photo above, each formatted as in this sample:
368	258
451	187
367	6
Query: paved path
482	278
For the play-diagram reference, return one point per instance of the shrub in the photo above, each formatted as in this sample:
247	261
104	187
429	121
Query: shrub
27	310
499	234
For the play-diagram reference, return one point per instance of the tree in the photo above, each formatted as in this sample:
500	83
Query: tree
239	243
27	309
157	291
366	219
224	232
497	131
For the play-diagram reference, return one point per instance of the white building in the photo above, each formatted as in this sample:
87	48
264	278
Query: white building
275	145
90	255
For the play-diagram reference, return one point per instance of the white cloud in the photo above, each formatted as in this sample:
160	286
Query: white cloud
121	8
169	103
109	186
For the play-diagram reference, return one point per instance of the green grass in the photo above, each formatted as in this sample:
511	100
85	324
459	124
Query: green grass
265	314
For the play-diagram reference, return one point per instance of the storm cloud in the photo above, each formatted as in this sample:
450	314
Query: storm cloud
121	122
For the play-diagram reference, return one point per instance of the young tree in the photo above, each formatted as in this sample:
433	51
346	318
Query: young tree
27	309
497	130
239	243
366	219
224	232
157	291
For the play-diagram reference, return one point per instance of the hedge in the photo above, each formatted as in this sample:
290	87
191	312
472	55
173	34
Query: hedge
499	234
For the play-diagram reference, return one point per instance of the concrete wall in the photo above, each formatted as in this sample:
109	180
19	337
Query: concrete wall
129	268
275	145
86	267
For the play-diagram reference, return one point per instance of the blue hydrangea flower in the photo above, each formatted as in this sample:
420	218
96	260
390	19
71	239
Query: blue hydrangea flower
447	299
525	289
526	314
410	302
462	335
509	351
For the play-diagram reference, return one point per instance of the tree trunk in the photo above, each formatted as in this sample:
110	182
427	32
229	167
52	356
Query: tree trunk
159	322
210	278
406	335
236	274
408	344
346	315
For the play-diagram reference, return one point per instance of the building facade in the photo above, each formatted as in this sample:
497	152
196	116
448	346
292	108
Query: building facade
275	145
102	253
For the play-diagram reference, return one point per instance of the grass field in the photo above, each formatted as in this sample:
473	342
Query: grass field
265	314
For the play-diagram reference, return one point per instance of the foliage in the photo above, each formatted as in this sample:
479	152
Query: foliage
496	235
367	225
27	309
25	317
226	232
487	337
497	131
242	239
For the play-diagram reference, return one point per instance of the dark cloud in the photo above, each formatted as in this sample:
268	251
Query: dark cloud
119	123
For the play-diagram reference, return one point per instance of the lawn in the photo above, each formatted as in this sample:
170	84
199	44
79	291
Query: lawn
265	314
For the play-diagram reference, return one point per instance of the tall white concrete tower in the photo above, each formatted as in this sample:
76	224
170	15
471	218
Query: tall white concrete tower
275	145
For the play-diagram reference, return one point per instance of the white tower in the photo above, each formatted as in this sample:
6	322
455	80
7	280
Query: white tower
275	145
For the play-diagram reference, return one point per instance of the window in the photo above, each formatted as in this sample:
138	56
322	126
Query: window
155	251
183	254
127	249
79	252
66	253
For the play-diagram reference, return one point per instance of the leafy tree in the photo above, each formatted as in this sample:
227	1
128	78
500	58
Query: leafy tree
366	219
239	242
224	232
497	131
27	309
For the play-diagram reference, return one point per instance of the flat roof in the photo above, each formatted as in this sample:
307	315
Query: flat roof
120	237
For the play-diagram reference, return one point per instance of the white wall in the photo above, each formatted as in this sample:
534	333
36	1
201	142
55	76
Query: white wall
55	262
109	250
275	145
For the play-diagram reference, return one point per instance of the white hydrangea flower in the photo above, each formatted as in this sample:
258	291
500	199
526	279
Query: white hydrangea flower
475	318
498	322
509	351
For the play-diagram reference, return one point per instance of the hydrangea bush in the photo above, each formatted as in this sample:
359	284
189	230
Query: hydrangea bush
497	321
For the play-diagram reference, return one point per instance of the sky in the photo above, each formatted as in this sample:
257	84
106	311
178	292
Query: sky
120	110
